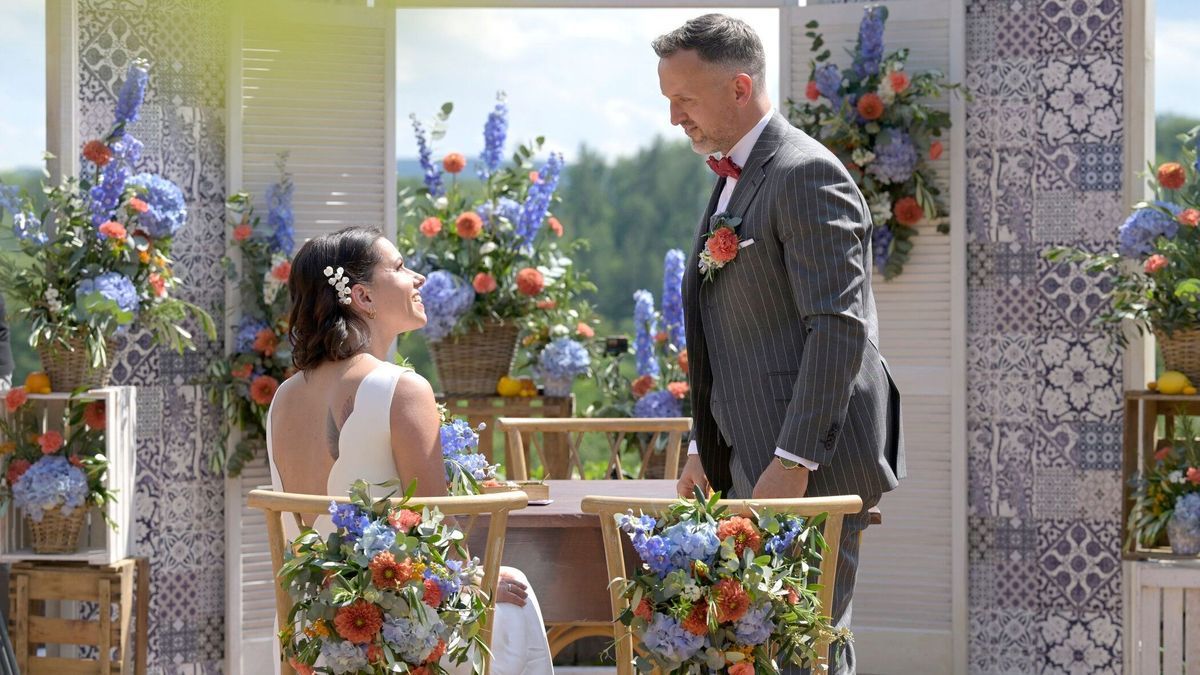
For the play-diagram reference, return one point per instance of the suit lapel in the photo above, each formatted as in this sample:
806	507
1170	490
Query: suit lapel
754	172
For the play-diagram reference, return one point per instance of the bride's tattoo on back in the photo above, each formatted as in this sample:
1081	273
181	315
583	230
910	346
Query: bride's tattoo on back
333	435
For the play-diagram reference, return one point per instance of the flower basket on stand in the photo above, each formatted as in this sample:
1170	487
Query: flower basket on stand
473	362
56	532
1181	351
70	367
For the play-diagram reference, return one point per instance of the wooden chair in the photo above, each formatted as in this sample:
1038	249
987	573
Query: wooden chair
278	505
837	509
646	431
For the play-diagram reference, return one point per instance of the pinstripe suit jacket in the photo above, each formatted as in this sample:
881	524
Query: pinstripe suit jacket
783	342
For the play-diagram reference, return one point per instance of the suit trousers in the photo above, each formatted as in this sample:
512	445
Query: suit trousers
842	662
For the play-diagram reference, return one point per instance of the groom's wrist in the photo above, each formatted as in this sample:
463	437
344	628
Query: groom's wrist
693	449
806	463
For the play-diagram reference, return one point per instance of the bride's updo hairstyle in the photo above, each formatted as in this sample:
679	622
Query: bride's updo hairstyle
322	326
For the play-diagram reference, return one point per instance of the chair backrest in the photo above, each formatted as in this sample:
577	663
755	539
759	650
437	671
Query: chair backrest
836	508
279	505
568	433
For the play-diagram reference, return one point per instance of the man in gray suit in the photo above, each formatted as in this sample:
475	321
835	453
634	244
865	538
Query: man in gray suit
790	394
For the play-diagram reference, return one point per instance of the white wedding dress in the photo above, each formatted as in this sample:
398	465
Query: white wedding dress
519	645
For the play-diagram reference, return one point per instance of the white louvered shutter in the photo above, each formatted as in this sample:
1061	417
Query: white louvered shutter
315	79
903	598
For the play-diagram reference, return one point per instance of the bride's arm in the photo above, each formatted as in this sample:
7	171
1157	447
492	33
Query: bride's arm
416	436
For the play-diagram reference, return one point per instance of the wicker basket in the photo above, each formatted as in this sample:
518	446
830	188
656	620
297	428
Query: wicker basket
472	364
57	533
70	367
1181	351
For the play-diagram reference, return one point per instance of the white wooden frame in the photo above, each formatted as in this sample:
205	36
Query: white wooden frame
1164	622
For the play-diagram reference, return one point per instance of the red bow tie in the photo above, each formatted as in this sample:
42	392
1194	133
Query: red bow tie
725	168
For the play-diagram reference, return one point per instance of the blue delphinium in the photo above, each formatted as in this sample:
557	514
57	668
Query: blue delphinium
413	640
829	83
376	538
495	132
504	207
110	185
869	50
433	174
638	527
691	541
342	658
51	482
646	323
781	543
350	519
129	101
658	404
1138	233
667	638
533	211
247	331
895	159
458	437
446	298
25	224
280	216
1187	508
167	212
672	298
563	359
459	445
112	286
449	581
755	626
881	242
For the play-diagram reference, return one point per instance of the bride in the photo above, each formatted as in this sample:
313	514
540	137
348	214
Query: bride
350	414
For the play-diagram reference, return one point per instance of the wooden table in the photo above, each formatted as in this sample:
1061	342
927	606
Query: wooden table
486	409
561	551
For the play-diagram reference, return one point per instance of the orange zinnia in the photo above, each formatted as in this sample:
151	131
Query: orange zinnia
696	622
282	271
745	534
358	622
1172	175
870	106
431	226
454	162
899	81
265	342
262	389
484	283
530	281
732	600
908	211
469	225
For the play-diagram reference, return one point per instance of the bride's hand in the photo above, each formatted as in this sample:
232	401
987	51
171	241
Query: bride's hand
510	589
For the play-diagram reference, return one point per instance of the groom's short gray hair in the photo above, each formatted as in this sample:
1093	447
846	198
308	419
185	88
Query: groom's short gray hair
719	39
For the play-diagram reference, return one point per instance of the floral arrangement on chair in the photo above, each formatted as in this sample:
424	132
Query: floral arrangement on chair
660	347
50	476
244	384
388	591
721	592
491	255
1159	489
871	116
1155	271
105	266
467	470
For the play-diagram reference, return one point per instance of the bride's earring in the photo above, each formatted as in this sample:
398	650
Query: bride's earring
371	313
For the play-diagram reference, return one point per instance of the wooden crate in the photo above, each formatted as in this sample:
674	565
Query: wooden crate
99	544
42	597
487	409
1149	419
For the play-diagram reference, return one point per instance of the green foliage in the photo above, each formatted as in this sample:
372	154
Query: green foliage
1167	129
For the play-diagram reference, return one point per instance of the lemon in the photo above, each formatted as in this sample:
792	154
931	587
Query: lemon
1172	382
1189	391
508	386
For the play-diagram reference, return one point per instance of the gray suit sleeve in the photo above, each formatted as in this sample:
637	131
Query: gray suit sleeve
824	227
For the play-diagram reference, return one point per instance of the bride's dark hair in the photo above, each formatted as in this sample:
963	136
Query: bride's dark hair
321	328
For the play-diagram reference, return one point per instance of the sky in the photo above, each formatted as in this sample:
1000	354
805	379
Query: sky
574	76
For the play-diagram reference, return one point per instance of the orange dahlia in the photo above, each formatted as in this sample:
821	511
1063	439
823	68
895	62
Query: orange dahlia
1172	175
683	361
469	225
642	386
484	283
438	651
811	92
899	81
16	469
679	390
935	150
585	331
745	534
722	245
555	226
15	398
454	162
696	622
644	610
742	668
93	415
113	230
732	600
359	622
97	152
262	389
433	594
50	442
870	106
158	284
387	573
242	232
908	211
403	520
530	281
431	226
265	342
1190	217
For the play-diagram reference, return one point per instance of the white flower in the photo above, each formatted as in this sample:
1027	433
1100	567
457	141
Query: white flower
51	294
862	156
885	91
441	203
881	207
488	247
691	591
1175	476
560	330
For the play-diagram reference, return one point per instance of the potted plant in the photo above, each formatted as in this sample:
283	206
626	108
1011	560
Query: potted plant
1158	490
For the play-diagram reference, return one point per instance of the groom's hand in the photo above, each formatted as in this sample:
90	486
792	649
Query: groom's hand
692	476
780	483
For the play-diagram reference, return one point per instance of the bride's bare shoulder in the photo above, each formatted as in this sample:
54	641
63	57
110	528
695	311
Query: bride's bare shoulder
413	389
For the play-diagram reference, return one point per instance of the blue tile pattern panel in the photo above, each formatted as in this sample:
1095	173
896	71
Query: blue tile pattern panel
179	502
1044	167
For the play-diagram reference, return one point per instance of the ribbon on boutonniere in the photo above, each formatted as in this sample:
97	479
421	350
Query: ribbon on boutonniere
721	244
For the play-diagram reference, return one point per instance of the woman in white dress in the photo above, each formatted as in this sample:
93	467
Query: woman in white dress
350	414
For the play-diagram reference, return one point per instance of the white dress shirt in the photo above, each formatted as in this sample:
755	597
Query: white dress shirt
739	154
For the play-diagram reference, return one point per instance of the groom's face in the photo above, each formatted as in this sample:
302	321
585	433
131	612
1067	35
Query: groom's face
703	100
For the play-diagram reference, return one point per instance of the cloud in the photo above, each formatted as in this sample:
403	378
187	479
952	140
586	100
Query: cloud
1176	62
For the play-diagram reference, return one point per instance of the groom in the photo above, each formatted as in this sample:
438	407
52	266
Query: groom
790	394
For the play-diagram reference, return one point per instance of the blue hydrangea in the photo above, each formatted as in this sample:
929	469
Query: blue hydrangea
413	640
895	158
350	519
450	580
638	527
342	658
829	83
446	298
1142	229
459	445
26	225
112	286
246	331
504	207
869	50
667	638
562	359
781	543
672	298
1187	508
51	482
433	173
129	101
495	132
458	437
658	404
376	538
755	626
656	553
646	323
533	211
881	243
167	212
280	217
691	541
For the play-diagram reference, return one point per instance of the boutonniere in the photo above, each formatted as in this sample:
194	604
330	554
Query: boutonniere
721	245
